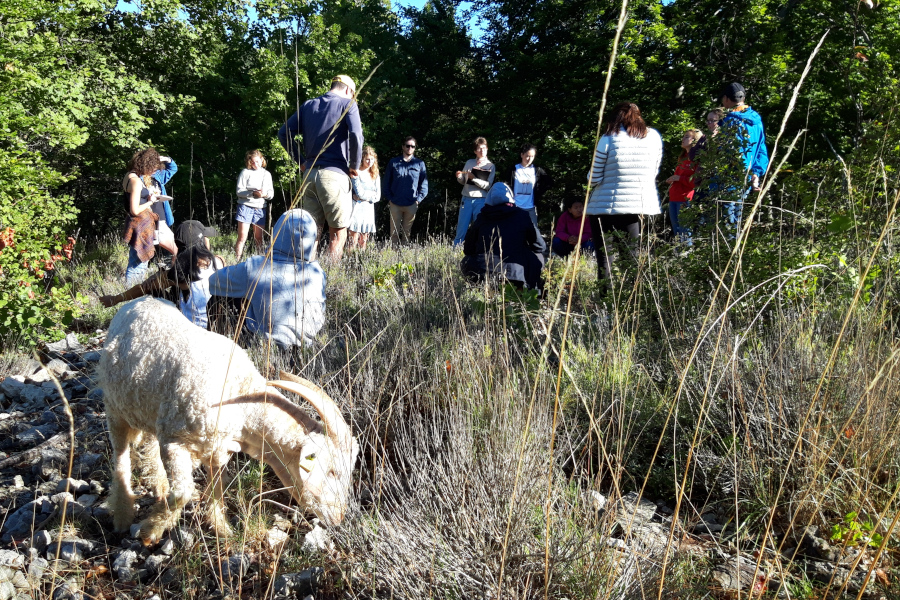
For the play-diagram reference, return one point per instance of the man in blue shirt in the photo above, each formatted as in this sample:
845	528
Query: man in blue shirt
405	186
331	153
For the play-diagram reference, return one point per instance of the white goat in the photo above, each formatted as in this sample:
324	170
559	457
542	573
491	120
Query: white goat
196	396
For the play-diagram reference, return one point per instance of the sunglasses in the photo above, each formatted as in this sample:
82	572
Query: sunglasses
410	145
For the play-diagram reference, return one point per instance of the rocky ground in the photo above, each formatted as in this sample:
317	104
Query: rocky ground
56	538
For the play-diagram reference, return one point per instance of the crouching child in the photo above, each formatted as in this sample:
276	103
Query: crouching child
284	293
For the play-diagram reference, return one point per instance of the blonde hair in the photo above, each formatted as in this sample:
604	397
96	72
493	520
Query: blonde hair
249	157
696	134
373	170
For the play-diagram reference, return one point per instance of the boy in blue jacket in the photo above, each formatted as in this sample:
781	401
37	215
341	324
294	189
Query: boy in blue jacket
746	124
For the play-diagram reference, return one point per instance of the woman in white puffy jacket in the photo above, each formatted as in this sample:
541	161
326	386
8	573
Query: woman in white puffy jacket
623	182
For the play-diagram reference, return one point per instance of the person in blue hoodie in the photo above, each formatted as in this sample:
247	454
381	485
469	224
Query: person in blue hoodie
746	124
285	292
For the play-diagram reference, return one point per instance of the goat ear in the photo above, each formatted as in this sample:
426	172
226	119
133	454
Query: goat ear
335	425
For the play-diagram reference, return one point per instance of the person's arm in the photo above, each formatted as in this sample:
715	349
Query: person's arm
268	191
423	184
561	231
158	283
543	182
287	136
361	193
242	191
230	282
377	195
533	238
598	167
485	185
761	159
165	174
356	136
463	176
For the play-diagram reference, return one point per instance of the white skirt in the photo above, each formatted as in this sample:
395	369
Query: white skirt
362	219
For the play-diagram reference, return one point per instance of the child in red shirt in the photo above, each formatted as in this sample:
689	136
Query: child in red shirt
566	235
681	189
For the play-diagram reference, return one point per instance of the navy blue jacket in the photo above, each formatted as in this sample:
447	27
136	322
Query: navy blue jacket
504	234
314	122
405	183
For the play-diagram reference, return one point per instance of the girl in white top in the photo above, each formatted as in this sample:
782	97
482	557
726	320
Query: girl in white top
366	192
254	187
474	188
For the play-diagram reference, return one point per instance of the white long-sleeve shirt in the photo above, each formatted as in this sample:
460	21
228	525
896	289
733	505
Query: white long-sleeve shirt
258	179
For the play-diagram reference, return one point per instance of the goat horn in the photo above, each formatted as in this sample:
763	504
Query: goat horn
286	376
335	425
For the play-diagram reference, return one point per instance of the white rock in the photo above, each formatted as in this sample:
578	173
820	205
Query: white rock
39	377
87	499
317	540
598	500
11	558
277	538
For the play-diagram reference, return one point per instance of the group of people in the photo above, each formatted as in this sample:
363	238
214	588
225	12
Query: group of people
284	294
497	223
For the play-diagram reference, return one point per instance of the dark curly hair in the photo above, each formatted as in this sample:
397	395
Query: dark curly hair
145	162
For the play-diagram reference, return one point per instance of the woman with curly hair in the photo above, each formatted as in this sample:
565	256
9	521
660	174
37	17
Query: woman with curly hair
146	227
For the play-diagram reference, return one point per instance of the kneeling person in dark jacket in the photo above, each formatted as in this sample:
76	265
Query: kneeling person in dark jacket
503	241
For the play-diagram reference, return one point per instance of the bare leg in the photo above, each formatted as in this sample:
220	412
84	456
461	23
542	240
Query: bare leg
336	239
363	238
258	238
352	240
121	498
242	231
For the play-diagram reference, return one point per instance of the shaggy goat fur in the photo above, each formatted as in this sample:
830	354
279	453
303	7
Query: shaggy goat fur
196	396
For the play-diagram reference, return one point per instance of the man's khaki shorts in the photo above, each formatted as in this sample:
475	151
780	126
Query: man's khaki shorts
328	198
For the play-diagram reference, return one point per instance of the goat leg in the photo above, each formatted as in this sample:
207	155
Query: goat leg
215	514
152	467
177	462
121	497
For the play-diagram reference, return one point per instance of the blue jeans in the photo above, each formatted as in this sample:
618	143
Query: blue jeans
734	210
136	270
468	212
562	248
682	233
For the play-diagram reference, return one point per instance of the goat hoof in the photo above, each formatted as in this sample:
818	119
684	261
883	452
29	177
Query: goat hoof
149	534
